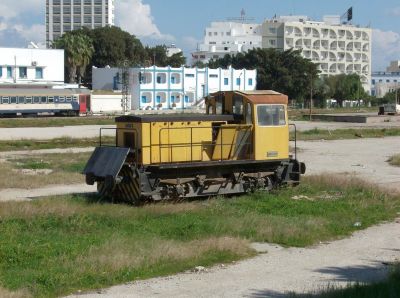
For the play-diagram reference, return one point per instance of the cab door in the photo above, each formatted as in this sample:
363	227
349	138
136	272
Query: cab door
271	132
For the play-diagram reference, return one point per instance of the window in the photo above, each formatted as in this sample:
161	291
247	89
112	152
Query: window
173	98
209	33
21	99
189	75
36	99
23	73
248	114
28	99
373	82
5	99
272	42
271	115
51	99
9	72
68	98
62	98
237	105
215	33
1	71
213	76
39	73
173	80
158	99
250	82
272	29
387	81
43	99
187	99
159	79
226	81
13	99
238	81
228	33
144	99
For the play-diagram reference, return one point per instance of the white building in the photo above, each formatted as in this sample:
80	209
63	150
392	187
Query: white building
31	66
67	15
223	38
336	47
167	87
387	81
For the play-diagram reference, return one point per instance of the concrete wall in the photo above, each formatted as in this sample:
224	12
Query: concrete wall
106	103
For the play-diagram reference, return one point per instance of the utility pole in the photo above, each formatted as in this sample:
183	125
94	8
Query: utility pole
311	96
125	82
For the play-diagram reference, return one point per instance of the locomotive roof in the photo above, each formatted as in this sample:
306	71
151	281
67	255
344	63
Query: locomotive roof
260	96
176	117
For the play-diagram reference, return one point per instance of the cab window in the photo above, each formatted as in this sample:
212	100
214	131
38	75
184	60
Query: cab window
271	115
248	114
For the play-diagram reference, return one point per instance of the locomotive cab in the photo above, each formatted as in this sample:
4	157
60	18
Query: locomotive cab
240	145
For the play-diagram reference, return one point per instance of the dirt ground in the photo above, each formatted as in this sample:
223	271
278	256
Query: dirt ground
91	131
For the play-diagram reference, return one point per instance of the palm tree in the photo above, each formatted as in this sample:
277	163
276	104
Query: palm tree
78	53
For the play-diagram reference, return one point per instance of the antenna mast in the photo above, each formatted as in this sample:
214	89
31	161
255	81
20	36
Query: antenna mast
125	82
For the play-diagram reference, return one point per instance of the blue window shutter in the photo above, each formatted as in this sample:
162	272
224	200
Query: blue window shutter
250	82
186	98
172	98
144	99
158	98
226	82
238	81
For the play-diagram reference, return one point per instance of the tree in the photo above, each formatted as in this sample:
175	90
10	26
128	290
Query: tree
346	87
78	54
283	71
158	56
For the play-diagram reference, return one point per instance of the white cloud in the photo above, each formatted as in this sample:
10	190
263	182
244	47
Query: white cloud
13	8
190	43
135	17
395	11
385	48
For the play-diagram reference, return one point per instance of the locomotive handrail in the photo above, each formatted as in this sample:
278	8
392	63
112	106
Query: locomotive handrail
191	144
295	139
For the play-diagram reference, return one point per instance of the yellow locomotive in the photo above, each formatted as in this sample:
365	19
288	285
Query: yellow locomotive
241	145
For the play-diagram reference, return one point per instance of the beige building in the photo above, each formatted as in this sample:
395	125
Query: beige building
337	48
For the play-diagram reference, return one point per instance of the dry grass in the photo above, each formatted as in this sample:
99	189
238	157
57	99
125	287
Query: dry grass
118	254
65	170
4	293
395	160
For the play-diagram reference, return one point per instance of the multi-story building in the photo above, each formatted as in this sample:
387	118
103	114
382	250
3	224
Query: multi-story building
67	15
167	87
387	81
337	48
223	38
32	67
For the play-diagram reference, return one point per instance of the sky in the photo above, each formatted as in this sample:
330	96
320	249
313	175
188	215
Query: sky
182	22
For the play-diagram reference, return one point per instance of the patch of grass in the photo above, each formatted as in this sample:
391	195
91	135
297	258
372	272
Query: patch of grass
304	114
66	169
338	134
56	246
389	287
64	142
395	160
55	121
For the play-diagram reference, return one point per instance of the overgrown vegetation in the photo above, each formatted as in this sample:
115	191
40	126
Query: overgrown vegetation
56	246
55	122
395	160
338	134
41	170
389	288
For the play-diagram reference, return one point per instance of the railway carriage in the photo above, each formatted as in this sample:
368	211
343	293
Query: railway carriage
19	101
241	145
